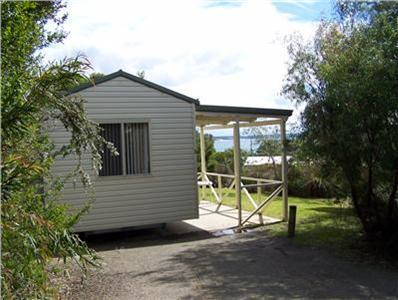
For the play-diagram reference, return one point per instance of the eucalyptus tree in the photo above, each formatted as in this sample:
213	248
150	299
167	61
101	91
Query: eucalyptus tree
346	79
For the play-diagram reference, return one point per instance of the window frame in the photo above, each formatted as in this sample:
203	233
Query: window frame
123	121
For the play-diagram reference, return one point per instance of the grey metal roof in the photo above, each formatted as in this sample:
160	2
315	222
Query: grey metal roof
201	108
135	79
244	110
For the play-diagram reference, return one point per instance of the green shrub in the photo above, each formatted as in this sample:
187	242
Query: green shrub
36	228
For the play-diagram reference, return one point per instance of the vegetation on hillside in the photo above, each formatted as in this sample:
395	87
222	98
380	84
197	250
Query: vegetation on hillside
209	151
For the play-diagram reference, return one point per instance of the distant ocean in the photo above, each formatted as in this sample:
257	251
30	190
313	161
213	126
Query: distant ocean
224	143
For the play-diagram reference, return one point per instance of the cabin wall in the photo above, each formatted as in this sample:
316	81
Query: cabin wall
169	192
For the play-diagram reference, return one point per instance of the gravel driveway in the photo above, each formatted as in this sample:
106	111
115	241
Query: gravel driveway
149	265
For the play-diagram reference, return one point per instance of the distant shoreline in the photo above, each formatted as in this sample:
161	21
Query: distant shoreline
248	143
245	137
253	137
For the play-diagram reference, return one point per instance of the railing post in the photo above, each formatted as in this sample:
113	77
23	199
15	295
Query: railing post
260	214
219	187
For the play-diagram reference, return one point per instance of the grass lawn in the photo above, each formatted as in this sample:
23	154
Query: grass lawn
320	222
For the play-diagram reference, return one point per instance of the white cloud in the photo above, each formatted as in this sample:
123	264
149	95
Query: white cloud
221	54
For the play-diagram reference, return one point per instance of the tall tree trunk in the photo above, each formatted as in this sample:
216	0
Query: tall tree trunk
374	214
391	206
360	212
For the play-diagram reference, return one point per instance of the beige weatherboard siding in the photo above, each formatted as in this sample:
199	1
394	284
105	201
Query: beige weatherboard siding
169	192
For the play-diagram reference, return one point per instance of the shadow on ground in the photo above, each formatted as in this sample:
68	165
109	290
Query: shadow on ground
256	266
134	238
157	264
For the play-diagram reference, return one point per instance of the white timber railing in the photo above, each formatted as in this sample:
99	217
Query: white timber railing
258	207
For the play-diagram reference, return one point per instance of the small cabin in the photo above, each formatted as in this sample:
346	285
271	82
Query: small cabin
154	179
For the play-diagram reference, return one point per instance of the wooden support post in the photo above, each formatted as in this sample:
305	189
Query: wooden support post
203	158
292	221
219	182
237	171
260	214
284	172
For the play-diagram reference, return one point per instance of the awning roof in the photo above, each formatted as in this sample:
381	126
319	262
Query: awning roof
214	114
270	112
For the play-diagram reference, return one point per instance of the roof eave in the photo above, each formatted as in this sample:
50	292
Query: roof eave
271	112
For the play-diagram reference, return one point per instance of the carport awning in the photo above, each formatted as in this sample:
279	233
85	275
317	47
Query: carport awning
247	116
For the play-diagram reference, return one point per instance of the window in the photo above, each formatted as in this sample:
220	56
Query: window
111	164
132	142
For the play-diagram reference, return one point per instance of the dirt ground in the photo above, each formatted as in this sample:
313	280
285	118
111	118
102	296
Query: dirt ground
150	264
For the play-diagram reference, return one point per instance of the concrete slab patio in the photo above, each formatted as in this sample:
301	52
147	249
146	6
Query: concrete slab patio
213	220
